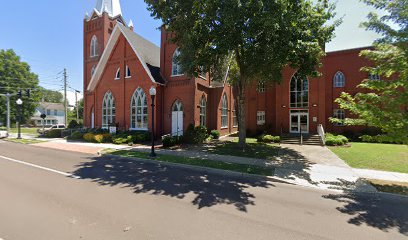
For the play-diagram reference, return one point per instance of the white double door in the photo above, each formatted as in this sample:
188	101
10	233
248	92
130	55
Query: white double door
299	121
177	119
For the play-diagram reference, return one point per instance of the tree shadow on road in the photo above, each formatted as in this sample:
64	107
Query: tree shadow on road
158	179
384	212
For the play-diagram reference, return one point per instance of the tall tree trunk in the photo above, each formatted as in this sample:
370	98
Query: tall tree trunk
242	114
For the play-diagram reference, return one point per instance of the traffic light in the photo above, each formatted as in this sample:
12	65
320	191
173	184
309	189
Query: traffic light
19	94
28	93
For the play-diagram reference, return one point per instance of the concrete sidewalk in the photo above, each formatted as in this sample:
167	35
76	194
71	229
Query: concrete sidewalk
312	166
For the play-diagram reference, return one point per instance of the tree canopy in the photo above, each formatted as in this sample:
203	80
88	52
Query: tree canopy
52	96
16	75
254	39
384	103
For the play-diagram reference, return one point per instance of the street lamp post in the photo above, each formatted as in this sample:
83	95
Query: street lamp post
153	95
19	103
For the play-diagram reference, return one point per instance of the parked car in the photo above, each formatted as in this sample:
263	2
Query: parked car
50	127
3	133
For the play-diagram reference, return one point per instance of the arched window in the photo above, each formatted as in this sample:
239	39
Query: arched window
117	76
128	72
93	70
224	111
138	111
339	79
108	110
176	67
203	111
94	46
299	92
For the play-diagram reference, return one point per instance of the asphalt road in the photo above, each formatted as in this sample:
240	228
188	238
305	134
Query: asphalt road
49	194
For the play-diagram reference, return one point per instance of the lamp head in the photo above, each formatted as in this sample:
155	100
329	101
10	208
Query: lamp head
152	91
19	101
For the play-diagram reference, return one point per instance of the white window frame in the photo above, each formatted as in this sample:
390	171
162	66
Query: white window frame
224	112
260	118
176	67
203	111
304	88
261	87
339	80
108	110
235	119
128	72
374	77
117	75
339	114
139	115
202	73
94	46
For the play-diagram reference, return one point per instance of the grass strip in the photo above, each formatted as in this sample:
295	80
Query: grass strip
243	168
23	141
390	187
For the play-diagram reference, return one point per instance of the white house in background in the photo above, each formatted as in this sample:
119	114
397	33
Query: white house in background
55	114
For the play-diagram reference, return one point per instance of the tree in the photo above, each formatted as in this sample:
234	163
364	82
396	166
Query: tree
384	104
51	96
253	40
72	114
16	75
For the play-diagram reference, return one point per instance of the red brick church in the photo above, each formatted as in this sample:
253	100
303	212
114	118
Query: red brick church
120	67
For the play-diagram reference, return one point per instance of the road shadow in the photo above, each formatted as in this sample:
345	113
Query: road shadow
157	179
289	164
381	211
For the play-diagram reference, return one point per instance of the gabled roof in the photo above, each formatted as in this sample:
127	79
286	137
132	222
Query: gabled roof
147	53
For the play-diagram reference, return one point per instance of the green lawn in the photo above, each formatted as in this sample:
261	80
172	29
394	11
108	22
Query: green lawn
23	141
199	162
32	131
253	149
385	157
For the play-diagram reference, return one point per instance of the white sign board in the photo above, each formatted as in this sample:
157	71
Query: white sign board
112	130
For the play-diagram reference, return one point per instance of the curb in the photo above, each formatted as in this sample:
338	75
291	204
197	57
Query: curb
202	169
239	174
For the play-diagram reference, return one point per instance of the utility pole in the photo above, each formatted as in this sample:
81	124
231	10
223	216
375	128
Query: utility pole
77	104
8	96
65	96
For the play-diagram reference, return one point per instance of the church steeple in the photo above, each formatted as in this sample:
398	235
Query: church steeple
112	7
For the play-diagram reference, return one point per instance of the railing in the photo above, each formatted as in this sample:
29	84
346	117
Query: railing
320	131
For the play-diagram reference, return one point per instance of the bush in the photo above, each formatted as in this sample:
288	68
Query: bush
215	134
76	135
335	140
140	137
378	139
53	133
195	135
103	138
3	129
269	139
73	124
89	137
169	141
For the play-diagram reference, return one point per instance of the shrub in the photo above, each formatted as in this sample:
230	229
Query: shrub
73	124
268	139
140	137
76	135
89	137
335	140
215	134
169	141
54	133
103	138
3	129
378	139
195	135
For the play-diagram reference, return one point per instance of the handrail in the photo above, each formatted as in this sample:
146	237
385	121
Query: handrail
320	131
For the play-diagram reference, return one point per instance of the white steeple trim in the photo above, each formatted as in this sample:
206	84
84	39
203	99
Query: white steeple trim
112	7
130	23
86	16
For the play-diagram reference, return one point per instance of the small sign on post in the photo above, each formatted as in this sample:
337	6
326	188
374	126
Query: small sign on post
112	130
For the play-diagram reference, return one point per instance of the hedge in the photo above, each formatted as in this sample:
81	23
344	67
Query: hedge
335	140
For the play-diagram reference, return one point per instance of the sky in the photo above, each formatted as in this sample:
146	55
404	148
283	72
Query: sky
48	34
